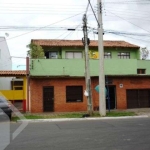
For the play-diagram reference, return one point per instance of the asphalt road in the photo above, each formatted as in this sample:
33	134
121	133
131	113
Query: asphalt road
121	134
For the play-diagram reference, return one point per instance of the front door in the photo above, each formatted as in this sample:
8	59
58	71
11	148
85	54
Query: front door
111	97
48	99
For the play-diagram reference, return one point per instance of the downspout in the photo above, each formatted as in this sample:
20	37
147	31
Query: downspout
27	75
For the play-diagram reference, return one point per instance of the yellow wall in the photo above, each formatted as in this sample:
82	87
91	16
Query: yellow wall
13	94
16	94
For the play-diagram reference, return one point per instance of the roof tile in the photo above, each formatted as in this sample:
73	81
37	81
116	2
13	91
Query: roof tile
13	72
93	43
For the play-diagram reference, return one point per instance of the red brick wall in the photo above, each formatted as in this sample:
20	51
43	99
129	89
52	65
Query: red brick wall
60	105
128	83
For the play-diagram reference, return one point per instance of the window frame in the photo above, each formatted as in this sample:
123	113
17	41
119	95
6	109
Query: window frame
50	52
73	53
107	55
124	55
74	94
141	71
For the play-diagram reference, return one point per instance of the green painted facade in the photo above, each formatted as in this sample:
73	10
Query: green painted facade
76	67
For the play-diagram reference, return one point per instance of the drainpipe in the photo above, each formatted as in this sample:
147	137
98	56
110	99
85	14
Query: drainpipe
27	72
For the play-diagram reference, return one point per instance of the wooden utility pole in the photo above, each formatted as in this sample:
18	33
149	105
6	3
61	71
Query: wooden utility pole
102	101
87	68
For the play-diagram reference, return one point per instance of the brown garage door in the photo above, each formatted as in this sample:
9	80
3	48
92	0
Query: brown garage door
138	98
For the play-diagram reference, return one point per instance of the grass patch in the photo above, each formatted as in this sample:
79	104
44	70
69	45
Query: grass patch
119	114
73	115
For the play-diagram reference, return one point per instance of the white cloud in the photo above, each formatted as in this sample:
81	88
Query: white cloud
117	16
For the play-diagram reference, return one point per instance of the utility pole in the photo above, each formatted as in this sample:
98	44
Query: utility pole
87	68
102	101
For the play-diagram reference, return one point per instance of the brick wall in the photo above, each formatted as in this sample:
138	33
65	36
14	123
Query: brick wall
60	105
128	83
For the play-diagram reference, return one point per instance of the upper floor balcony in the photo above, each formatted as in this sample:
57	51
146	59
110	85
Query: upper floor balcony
76	67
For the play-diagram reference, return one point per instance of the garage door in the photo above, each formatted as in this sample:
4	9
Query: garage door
138	98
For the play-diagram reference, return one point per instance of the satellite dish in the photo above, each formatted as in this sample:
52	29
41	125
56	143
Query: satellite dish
6	34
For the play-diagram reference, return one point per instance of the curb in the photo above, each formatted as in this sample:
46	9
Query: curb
80	119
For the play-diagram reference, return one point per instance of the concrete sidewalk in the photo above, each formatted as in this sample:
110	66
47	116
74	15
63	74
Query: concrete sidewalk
141	113
80	119
138	111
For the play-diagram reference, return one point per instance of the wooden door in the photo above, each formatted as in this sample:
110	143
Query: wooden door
48	99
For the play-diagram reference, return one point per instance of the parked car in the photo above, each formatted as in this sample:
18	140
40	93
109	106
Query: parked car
5	107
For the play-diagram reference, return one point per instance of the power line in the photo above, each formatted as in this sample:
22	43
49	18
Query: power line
18	28
40	4
94	14
42	27
131	23
130	37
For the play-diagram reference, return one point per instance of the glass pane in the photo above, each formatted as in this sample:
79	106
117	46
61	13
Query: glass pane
77	55
53	55
69	55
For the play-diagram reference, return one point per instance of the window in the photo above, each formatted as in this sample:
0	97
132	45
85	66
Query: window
18	88
71	55
74	93
107	55
124	55
53	55
141	71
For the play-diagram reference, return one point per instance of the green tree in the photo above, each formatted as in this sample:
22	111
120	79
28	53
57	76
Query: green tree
36	51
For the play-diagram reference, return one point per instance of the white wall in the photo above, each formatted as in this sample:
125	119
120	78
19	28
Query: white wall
5	64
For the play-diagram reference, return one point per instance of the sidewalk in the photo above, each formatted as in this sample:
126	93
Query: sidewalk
138	111
141	113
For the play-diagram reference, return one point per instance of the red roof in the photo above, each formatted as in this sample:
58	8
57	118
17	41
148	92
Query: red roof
13	73
93	43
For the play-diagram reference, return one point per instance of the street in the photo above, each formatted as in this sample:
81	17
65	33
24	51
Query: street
117	134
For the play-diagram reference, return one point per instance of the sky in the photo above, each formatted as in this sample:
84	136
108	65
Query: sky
21	21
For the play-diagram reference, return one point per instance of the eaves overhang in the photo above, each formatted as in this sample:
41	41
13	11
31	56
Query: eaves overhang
12	73
68	76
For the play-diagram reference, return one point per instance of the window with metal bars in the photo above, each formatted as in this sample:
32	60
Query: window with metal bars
124	55
107	55
141	71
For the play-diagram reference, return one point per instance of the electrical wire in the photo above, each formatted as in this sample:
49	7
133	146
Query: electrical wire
43	27
131	23
94	14
130	37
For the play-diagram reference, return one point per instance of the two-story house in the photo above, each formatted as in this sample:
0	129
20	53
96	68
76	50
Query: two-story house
57	82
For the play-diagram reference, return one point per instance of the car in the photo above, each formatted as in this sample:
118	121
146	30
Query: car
5	107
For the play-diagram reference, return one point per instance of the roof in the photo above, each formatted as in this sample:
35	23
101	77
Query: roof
93	43
13	73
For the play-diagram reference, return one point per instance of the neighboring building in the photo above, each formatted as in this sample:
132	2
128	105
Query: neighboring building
18	92
57	83
5	64
13	84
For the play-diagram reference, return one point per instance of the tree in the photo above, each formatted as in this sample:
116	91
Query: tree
36	51
144	53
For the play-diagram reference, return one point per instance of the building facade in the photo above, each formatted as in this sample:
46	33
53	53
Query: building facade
17	95
57	81
5	63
